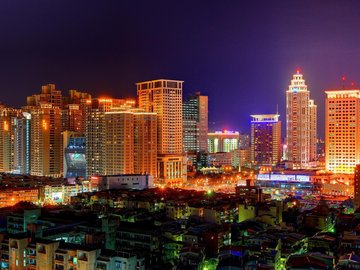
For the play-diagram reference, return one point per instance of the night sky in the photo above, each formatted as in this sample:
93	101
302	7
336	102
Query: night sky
240	53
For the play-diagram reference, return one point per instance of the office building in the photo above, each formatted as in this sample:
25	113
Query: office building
195	123
342	130
300	123
223	141
164	97
265	139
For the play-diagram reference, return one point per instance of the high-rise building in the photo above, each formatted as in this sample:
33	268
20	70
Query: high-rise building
7	138
342	130
195	123
145	143
300	123
48	94
46	140
95	135
225	141
119	142
265	139
74	111
72	118
96	132
164	97
22	151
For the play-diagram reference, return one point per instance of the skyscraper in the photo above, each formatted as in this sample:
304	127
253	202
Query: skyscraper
342	130
164	97
195	123
265	139
300	123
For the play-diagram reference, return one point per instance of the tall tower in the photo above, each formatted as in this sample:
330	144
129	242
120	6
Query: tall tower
164	97
265	139
342	131
195	123
300	123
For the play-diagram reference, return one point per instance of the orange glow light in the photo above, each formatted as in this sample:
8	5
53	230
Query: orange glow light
6	126
44	124
105	100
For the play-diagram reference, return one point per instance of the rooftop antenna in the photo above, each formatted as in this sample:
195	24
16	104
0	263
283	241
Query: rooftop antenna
277	109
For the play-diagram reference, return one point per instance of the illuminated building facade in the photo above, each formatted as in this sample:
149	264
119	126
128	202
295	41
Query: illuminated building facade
164	97
145	143
74	155
22	143
301	123
95	131
72	118
225	141
46	141
74	110
48	94
7	138
119	142
195	123
342	130
265	139
12	196
95	135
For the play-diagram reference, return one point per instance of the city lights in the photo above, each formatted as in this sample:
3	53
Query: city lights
185	135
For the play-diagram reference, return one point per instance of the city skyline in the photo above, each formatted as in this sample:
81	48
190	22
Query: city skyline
131	43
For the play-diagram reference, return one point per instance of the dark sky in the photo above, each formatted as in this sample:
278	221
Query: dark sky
240	53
